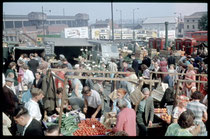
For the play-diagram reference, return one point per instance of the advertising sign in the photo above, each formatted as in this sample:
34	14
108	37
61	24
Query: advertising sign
171	34
76	32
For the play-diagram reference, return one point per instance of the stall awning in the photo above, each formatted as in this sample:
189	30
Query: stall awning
69	42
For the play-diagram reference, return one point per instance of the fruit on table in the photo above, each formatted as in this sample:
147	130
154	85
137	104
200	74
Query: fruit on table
86	128
166	118
160	110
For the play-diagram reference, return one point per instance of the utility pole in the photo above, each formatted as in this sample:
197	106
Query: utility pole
112	22
120	22
166	35
133	22
43	20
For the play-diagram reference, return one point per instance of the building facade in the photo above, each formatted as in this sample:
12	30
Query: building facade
158	24
191	22
38	19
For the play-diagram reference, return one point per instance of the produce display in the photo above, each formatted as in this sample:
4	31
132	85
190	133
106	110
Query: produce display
91	127
162	113
69	124
160	110
166	118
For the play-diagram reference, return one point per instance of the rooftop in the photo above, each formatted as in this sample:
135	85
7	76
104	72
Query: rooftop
74	42
196	15
160	20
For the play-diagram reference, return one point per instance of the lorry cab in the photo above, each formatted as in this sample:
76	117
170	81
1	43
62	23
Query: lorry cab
160	44
179	44
152	44
189	43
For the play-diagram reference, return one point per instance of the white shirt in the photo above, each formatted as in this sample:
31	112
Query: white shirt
3	79
33	109
28	76
26	126
94	100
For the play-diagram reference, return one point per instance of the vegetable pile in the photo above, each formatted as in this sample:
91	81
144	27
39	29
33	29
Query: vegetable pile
69	125
90	127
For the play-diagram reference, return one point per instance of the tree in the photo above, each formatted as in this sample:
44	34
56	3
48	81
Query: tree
203	23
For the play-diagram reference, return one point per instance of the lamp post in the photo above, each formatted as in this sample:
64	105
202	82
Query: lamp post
133	22
112	21
178	23
43	18
120	21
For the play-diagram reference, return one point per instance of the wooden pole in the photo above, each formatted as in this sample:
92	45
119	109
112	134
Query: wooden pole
150	84
90	71
62	102
177	89
199	78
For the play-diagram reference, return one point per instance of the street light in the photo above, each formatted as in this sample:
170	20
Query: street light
133	22
179	17
43	18
178	23
120	21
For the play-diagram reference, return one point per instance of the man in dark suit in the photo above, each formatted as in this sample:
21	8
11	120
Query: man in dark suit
38	80
9	102
146	61
33	64
135	65
145	112
9	99
171	59
32	127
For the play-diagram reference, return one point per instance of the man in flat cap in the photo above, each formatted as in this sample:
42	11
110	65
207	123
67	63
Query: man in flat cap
9	101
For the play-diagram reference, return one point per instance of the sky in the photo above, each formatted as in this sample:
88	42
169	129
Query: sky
102	11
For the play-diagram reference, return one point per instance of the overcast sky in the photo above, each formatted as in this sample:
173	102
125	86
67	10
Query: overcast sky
103	10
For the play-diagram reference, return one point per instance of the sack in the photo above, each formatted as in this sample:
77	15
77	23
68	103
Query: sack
113	95
110	119
136	96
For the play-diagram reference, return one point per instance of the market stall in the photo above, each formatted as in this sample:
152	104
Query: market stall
74	123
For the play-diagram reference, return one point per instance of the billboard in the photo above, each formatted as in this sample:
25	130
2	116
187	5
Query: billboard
100	33
76	32
171	34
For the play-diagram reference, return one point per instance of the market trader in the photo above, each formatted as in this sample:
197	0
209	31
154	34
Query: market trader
92	100
145	113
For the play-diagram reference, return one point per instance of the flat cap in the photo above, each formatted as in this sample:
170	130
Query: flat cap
9	80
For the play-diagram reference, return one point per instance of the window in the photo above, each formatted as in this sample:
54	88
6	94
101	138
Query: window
187	26
187	20
58	22
193	26
26	23
52	22
193	20
9	24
